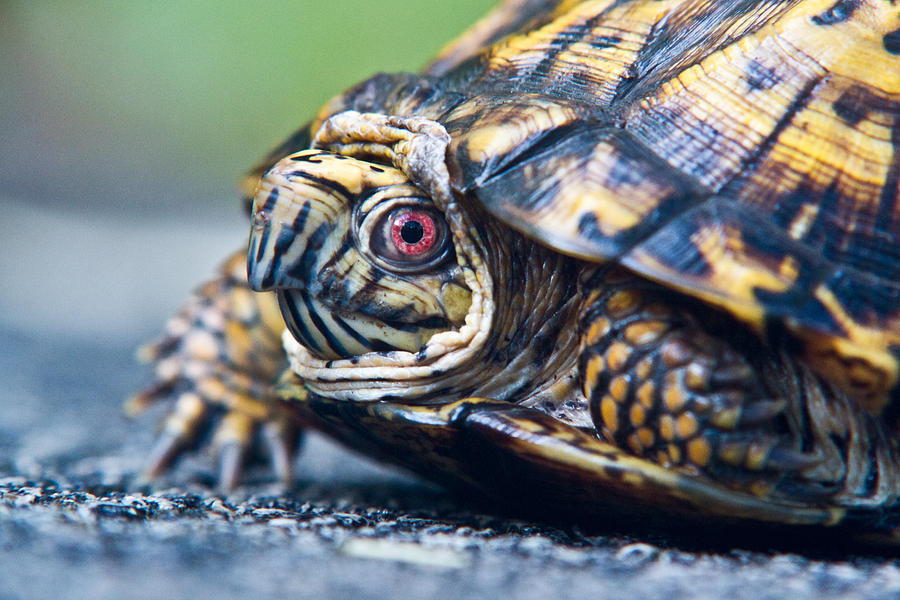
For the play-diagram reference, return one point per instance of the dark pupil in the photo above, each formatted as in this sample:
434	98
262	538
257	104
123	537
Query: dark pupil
412	232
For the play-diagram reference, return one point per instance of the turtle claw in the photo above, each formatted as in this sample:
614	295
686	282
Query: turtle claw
179	429
168	445
231	465
141	401
156	349
282	438
788	459
232	440
761	411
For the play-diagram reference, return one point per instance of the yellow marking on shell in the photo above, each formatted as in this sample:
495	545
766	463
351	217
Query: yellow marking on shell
531	47
500	132
852	48
637	415
862	363
597	330
686	426
609	411
616	356
801	223
593	61
594	192
645	332
713	95
595	366
646	395
818	145
591	189
699	451
618	388
735	276
667	427
735	270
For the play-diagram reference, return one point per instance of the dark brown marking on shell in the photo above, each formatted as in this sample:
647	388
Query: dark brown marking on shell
888	208
760	76
765	146
563	40
891	41
841	11
853	105
789	206
691	32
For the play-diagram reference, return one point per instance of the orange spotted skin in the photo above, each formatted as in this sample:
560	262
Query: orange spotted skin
665	384
690	210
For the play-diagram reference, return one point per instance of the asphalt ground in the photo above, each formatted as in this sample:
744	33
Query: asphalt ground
75	523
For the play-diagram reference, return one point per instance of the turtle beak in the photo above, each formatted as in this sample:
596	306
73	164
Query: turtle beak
262	256
278	237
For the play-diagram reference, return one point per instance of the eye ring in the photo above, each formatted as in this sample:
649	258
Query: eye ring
408	239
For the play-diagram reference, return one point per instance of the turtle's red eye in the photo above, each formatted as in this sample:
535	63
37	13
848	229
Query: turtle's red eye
413	233
410	238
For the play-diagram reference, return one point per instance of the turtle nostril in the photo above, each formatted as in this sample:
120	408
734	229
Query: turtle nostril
260	220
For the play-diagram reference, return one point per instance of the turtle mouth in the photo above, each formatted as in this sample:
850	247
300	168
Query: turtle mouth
329	335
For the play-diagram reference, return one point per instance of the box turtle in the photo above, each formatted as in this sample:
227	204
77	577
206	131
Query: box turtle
609	257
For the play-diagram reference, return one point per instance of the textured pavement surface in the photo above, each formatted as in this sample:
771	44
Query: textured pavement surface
75	523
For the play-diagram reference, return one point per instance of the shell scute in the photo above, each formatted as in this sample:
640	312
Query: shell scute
744	153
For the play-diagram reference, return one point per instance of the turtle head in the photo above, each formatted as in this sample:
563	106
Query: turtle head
360	258
393	283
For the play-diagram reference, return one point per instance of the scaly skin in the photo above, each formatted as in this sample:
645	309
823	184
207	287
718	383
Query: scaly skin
682	385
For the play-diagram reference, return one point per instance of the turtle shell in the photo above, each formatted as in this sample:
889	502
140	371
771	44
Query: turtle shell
743	152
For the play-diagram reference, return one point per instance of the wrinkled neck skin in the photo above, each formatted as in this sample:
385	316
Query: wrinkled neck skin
518	343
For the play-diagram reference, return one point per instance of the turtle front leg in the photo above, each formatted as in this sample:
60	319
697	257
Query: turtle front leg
690	389
217	362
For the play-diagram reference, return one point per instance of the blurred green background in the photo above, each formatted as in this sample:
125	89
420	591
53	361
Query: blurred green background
124	126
